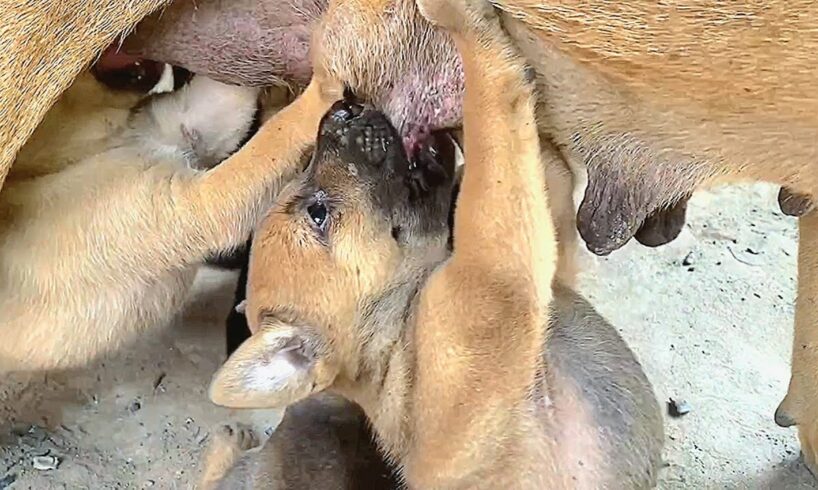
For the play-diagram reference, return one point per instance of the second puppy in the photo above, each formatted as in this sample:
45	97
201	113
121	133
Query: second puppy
114	202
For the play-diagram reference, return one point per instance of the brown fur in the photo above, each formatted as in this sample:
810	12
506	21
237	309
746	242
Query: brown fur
702	92
43	46
474	371
696	94
110	209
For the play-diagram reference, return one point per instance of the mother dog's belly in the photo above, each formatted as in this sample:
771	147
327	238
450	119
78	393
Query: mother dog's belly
663	137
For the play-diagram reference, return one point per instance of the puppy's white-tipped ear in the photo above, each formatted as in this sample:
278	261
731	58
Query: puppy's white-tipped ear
275	367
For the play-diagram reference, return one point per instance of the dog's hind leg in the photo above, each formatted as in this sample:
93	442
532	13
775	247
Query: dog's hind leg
800	406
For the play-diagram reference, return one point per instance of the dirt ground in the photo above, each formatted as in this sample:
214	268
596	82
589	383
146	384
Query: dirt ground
709	316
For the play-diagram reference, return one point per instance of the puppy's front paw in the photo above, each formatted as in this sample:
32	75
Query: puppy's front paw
458	16
227	445
235	437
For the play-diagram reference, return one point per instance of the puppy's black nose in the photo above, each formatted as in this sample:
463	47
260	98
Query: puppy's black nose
360	135
345	110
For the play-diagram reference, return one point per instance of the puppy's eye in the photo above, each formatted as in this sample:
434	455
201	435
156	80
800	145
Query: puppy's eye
319	215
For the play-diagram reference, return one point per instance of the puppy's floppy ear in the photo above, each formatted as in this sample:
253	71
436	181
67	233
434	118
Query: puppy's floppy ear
277	366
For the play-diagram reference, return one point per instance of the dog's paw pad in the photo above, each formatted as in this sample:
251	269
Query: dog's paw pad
238	436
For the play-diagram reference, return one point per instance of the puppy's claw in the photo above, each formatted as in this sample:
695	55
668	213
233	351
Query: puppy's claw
236	436
241	308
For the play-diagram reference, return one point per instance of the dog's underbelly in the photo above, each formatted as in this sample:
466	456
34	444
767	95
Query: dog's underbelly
605	420
644	150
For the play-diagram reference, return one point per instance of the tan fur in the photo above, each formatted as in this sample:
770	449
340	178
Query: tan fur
701	92
658	99
686	96
108	211
43	46
450	371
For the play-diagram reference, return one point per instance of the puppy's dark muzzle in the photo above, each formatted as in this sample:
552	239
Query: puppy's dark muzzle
362	136
365	137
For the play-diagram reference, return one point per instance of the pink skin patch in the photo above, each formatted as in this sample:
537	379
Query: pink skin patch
113	59
263	42
426	100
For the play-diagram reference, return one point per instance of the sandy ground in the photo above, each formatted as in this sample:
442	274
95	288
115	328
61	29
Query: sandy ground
709	317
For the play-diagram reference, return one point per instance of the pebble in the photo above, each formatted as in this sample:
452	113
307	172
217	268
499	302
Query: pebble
678	408
45	463
135	406
7	480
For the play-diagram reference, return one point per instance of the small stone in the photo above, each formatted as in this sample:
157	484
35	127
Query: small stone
7	480
45	463
157	384
135	406
689	259
149	484
678	408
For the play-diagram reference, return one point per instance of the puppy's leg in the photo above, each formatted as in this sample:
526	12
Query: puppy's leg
800	406
480	326
227	446
561	183
43	46
217	210
136	226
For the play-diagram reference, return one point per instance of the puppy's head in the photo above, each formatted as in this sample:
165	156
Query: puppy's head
336	263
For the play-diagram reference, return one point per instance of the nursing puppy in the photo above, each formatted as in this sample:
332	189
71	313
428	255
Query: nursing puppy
114	202
651	100
473	370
